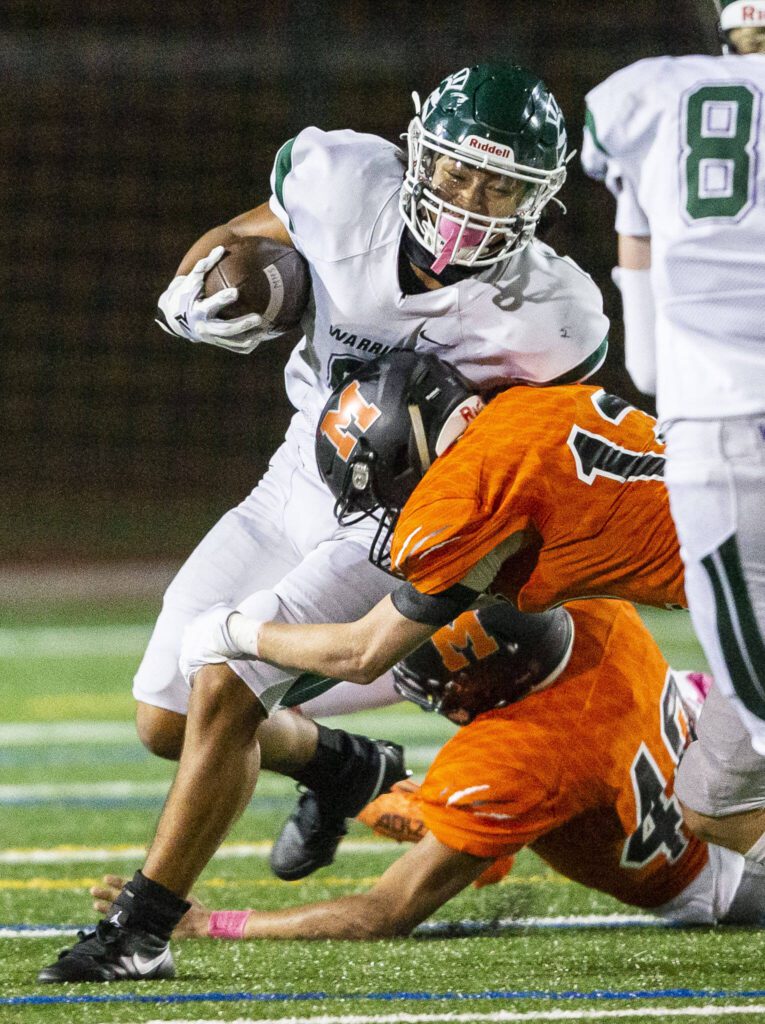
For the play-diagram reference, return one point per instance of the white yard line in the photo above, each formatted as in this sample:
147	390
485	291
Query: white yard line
44	734
94	855
500	1016
85	731
30	792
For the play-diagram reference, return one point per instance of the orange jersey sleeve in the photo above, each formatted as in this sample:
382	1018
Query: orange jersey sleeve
582	771
550	495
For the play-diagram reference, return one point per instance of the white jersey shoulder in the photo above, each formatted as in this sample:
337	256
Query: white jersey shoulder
621	112
680	141
536	318
325	183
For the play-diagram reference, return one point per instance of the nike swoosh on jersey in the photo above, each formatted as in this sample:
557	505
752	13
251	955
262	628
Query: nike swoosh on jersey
433	341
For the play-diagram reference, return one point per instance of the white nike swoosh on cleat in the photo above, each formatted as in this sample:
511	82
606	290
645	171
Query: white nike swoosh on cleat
144	966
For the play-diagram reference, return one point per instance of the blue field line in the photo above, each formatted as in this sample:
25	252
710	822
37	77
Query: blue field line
597	995
431	930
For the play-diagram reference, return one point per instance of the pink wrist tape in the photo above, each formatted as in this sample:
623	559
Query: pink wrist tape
227	924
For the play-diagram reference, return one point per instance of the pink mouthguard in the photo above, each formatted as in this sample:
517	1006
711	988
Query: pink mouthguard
449	230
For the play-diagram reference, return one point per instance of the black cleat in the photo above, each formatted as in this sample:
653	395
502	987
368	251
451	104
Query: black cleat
311	835
111	953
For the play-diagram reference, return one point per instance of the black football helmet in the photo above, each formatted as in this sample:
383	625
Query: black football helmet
381	429
490	656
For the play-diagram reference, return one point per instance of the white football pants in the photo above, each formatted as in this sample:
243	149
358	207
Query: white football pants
283	538
716	481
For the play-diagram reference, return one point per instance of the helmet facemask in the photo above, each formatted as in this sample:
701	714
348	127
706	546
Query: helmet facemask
454	234
363	496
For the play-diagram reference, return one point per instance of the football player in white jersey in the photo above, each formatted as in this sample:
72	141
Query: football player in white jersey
680	141
435	252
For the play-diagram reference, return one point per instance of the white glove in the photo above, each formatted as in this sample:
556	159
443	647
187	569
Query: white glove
207	641
183	313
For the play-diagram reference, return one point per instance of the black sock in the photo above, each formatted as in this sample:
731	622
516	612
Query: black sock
343	772
149	906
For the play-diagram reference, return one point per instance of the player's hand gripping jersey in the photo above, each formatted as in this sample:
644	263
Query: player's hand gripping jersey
536	317
702	116
582	771
549	495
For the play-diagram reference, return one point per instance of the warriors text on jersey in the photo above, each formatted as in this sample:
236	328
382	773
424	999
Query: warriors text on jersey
581	771
550	495
680	141
535	318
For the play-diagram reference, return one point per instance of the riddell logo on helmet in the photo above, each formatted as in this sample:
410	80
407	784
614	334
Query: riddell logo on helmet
752	15
457	422
492	149
739	14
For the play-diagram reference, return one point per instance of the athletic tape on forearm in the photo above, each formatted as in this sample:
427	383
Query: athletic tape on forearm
244	632
639	326
227	924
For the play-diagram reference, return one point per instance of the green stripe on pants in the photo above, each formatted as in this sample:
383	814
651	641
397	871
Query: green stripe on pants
740	639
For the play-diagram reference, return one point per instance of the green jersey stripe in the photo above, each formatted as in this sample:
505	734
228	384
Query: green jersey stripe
282	167
589	124
584	369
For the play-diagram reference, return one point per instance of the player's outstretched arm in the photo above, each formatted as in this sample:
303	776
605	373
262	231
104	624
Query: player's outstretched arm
359	651
414	887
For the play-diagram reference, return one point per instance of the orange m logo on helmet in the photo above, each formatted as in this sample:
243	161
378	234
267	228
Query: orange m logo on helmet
352	407
453	639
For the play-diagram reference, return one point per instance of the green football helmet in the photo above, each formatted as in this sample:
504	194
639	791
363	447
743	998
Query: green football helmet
498	119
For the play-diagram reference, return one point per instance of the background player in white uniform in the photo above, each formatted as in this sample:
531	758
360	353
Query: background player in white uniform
435	254
680	141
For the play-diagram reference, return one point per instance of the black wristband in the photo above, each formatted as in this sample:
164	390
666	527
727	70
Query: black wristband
432	609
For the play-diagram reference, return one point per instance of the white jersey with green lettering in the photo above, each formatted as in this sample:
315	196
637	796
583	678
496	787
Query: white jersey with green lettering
680	141
535	318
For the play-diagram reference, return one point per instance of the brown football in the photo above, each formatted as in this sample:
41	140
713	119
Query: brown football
273	279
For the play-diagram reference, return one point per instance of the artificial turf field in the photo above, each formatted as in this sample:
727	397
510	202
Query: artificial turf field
80	798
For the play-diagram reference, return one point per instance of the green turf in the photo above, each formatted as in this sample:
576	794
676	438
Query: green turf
45	689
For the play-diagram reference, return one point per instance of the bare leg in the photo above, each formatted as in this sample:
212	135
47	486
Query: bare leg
287	741
737	832
160	731
215	779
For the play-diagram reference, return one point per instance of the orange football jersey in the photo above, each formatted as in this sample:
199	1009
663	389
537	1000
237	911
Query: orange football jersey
581	771
551	494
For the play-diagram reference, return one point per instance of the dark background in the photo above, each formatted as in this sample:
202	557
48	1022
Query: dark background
126	131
